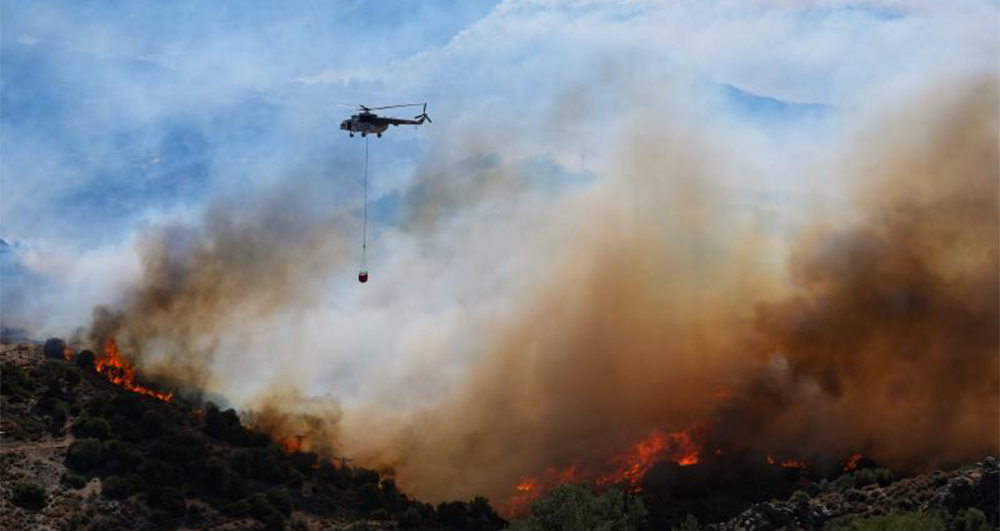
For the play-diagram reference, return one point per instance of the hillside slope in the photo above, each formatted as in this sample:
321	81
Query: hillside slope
81	453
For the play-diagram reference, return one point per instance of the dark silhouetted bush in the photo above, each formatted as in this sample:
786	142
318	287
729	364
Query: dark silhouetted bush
451	514
169	499
120	487
13	381
409	519
161	473
368	497
970	519
363	476
577	508
274	522
280	500
55	348
73	480
29	495
92	427
151	423
85	360
912	521
121	456
72	376
690	523
84	454
59	412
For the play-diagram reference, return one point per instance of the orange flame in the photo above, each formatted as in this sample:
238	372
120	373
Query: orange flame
120	372
291	444
627	467
682	447
852	462
787	463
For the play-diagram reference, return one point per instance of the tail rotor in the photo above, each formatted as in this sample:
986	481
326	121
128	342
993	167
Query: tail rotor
423	116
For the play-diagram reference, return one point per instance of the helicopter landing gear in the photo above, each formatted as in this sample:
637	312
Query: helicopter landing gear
352	135
378	135
364	135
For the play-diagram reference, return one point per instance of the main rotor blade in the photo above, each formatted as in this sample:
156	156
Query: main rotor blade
394	106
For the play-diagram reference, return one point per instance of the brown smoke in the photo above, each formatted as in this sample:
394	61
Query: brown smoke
648	292
895	320
246	260
883	340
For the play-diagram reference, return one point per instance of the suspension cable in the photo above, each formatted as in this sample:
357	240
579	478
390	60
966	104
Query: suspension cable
364	224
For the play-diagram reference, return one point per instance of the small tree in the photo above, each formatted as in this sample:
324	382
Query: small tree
85	360
29	495
55	348
84	454
578	508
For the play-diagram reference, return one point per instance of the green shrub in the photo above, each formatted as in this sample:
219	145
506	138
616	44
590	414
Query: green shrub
59	413
799	497
260	508
160	473
84	454
120	487
13	381
85	360
690	523
169	499
95	427
578	508
280	500
151	422
970	519
409	519
73	480
51	372
870	476
121	456
274	522
911	521
72	376
29	495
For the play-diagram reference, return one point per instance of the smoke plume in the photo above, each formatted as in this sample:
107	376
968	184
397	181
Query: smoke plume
574	321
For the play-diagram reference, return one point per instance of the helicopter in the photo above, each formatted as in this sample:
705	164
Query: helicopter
367	122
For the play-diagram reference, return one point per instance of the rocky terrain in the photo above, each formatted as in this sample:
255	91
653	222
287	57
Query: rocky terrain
829	503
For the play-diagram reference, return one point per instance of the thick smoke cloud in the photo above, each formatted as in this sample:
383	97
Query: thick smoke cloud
661	311
645	298
892	331
248	259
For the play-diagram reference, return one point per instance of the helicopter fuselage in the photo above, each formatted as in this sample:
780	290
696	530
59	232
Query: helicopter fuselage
370	123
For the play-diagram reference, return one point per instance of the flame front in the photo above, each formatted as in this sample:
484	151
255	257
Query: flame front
627	467
120	372
852	462
681	447
292	443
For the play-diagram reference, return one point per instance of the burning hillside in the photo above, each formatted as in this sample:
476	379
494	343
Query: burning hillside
881	326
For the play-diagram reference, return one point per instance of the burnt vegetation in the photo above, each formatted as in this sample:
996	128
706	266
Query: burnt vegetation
182	463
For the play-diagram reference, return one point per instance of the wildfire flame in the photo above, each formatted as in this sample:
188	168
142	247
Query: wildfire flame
291	444
852	462
627	467
787	463
120	372
682	447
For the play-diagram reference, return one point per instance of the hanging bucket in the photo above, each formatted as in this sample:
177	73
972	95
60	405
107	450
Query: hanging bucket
363	276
